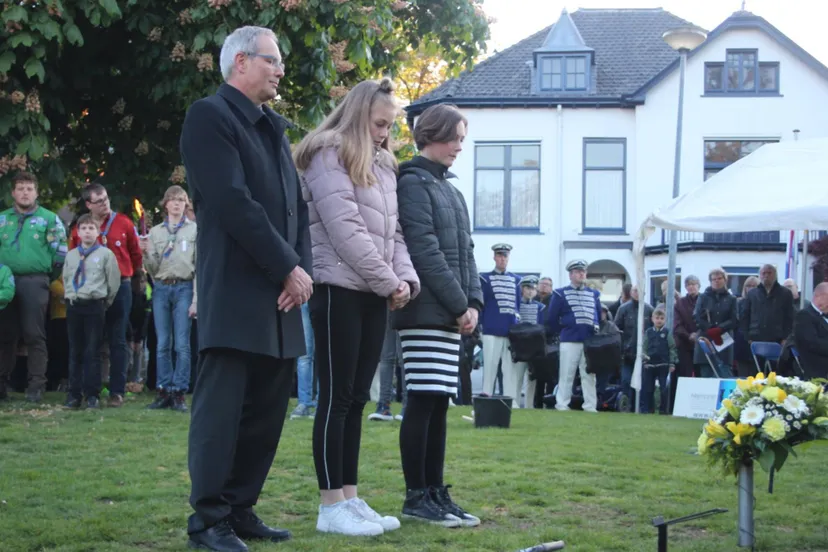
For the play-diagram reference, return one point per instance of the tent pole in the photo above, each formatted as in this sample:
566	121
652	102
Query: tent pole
803	287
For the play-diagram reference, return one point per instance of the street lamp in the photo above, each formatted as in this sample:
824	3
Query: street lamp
683	39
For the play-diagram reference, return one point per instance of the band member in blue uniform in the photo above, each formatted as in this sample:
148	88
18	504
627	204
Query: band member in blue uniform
501	296
574	313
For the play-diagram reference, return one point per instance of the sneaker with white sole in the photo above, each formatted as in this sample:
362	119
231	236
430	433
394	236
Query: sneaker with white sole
341	518
388	523
383	414
302	411
440	495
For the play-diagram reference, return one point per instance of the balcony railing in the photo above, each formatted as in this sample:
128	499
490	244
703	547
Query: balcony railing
723	238
755	239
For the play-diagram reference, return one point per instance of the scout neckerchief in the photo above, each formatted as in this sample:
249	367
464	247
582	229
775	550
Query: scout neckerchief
21	222
80	274
171	239
108	226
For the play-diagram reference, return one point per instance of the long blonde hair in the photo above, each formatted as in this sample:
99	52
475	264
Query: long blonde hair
348	129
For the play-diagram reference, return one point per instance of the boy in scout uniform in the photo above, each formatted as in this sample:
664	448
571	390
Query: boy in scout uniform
33	246
91	280
169	257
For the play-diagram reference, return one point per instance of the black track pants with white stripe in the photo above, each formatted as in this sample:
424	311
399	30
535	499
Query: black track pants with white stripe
348	329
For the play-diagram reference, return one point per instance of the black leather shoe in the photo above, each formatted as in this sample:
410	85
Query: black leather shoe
247	525
220	537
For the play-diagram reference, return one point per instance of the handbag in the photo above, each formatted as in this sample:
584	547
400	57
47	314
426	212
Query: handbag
603	353
527	342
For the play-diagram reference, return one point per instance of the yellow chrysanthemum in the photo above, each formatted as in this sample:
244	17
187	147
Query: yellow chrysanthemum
740	431
703	443
771	378
716	430
774	394
774	428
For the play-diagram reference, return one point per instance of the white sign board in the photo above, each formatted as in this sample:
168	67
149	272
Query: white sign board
701	397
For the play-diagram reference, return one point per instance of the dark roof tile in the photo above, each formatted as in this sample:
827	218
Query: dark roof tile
629	51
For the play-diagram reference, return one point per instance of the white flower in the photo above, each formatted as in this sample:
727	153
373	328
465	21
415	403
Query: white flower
752	415
795	405
789	417
797	425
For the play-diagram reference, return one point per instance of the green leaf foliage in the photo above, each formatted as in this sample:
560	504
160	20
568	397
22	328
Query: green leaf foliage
106	90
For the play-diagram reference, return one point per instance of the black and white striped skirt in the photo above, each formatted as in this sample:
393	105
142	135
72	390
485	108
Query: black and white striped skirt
431	360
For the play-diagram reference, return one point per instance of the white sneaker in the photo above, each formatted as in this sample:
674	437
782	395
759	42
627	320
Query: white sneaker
342	519
388	523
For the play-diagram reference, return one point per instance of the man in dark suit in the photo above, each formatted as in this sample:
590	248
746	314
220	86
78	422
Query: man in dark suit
253	264
811	334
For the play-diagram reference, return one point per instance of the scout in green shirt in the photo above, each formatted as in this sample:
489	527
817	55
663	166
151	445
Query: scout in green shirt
33	246
32	239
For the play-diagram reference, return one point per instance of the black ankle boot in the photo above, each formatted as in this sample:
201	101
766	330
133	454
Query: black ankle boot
163	400
419	506
440	495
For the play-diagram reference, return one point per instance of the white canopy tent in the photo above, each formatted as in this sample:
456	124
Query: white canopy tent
781	186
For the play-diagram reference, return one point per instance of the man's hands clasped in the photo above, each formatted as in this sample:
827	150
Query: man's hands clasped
298	287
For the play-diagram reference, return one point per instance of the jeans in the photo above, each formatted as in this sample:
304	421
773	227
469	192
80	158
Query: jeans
389	359
85	328
170	308
304	367
648	378
117	318
626	383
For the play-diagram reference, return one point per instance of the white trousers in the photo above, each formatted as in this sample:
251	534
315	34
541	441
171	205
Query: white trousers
572	359
496	351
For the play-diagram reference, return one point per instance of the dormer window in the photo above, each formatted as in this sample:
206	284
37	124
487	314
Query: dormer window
559	73
741	74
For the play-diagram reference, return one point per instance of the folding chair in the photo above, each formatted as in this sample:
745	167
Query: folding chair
710	354
769	351
797	361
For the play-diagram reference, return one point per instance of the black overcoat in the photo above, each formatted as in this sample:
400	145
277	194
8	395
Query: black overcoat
252	224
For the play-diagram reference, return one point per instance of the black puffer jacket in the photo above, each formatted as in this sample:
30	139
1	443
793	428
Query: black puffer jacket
767	316
716	309
436	228
627	321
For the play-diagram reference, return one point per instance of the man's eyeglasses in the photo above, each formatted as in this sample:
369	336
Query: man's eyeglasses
100	201
274	61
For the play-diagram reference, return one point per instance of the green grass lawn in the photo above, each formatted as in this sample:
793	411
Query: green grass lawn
117	480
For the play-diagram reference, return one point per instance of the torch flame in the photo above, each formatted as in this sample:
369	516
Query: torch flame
138	207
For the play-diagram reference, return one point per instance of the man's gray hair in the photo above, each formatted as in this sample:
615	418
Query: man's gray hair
691	279
243	39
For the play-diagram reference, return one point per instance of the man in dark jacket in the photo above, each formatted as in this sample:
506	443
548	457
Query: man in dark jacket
627	321
685	331
768	310
811	334
253	264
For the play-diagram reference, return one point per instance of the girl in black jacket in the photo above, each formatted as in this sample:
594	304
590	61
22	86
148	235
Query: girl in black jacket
435	224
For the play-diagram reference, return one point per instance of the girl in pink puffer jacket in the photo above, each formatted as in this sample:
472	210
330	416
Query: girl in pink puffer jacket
361	268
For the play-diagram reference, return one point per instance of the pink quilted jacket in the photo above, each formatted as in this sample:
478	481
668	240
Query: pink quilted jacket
356	237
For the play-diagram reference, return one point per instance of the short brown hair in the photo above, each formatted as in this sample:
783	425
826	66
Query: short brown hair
438	124
659	311
172	192
24	176
87	218
94	188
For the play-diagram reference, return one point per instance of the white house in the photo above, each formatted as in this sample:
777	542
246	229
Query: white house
571	139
